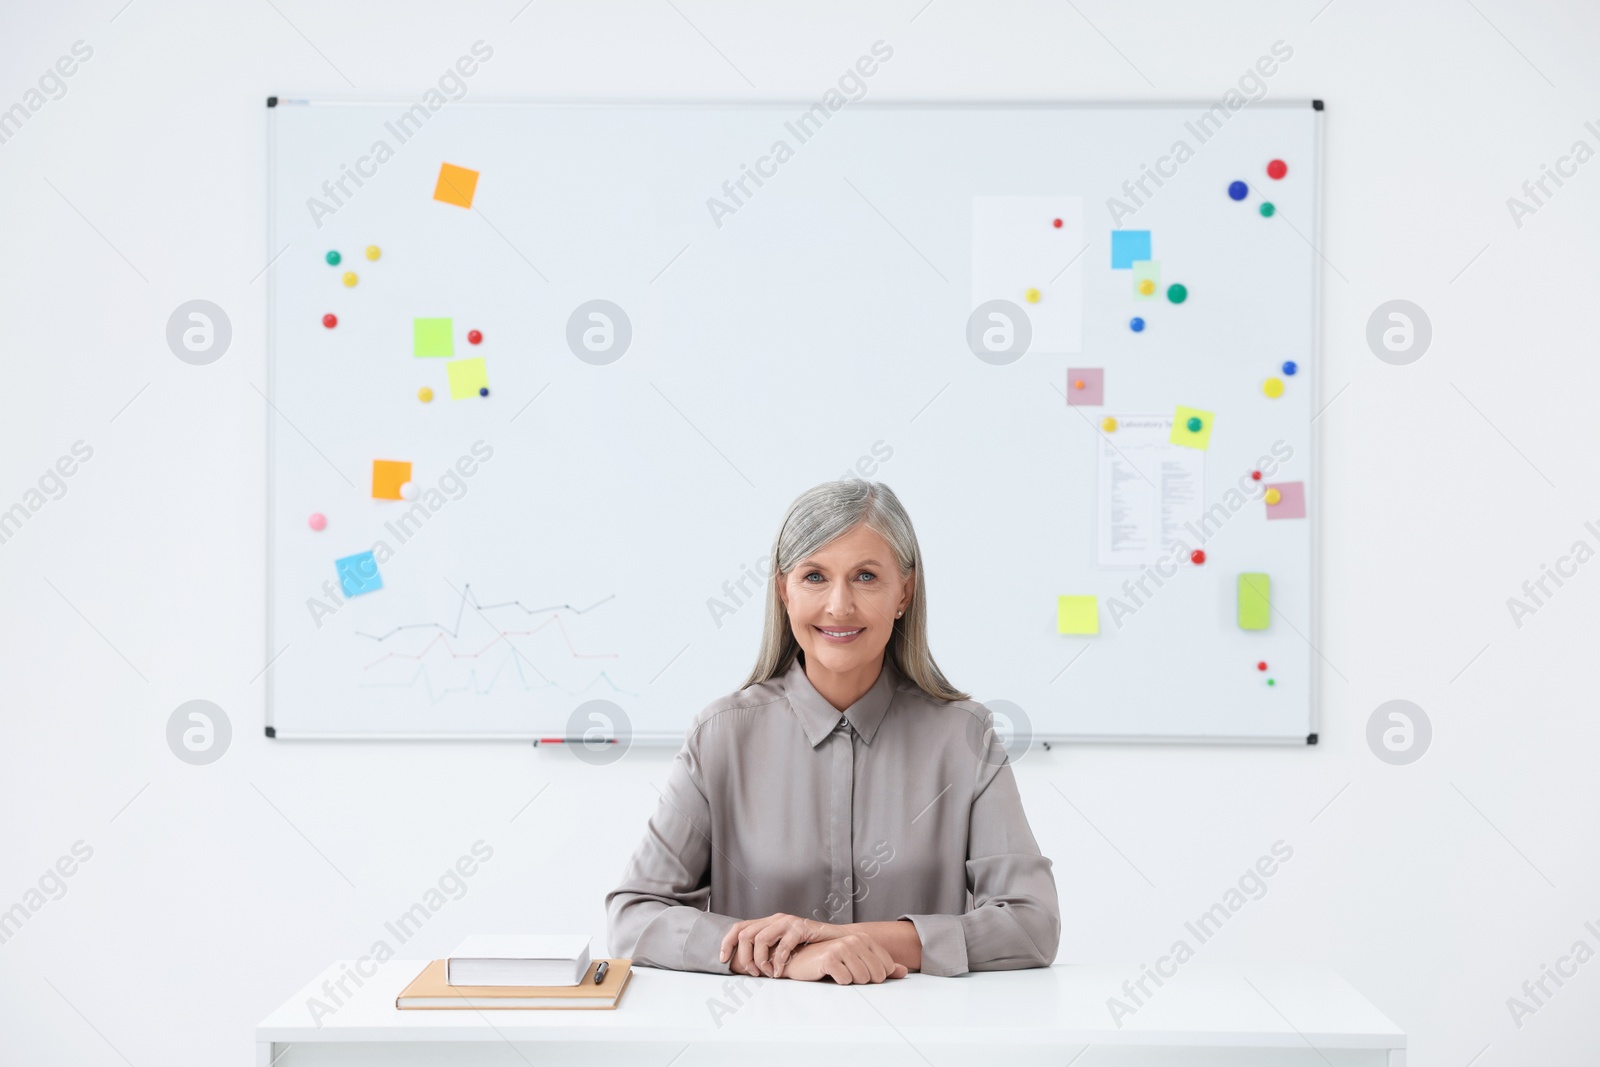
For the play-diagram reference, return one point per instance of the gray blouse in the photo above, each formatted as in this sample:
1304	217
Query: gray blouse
903	807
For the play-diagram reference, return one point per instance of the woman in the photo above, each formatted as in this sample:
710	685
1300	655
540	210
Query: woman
858	836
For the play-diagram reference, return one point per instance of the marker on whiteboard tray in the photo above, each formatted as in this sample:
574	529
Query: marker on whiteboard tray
574	740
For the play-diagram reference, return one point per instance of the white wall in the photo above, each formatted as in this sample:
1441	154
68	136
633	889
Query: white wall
1435	888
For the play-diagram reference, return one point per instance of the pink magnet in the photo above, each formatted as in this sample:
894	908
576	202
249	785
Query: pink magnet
317	521
1291	500
1086	386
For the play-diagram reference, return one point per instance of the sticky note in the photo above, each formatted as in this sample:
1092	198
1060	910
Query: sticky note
1077	615
1128	246
358	574
432	337
467	376
1146	276
1291	501
1183	435
1255	601
388	475
456	185
1086	386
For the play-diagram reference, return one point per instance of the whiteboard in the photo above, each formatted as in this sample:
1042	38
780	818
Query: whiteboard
600	521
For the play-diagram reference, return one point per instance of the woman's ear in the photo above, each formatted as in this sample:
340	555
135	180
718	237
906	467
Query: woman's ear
783	592
905	594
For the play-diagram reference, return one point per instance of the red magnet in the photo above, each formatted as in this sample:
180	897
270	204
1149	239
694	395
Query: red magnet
1197	556
1261	666
1277	169
330	320
1255	476
473	337
1056	224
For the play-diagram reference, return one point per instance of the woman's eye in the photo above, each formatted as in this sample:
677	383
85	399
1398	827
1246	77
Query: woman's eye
812	575
867	575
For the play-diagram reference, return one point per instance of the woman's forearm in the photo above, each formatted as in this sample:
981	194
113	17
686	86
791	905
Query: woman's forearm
898	937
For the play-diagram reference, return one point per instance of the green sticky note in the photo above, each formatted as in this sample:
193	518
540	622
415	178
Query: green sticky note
1146	271
1077	615
1255	601
1182	433
431	337
467	376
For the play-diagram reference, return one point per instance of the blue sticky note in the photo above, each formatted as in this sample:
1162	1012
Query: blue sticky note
358	574
1128	246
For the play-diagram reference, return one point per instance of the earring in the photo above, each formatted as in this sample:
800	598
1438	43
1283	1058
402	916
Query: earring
898	614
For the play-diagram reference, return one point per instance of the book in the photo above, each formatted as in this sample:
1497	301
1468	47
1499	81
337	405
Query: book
519	959
430	990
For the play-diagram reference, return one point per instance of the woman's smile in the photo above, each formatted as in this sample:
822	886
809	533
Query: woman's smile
837	635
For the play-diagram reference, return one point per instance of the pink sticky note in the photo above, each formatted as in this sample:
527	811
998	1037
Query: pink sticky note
1092	392
1291	501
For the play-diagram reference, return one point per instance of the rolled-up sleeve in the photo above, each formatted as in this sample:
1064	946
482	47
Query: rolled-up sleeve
658	915
1015	919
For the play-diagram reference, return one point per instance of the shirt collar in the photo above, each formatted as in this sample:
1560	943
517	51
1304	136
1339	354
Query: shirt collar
819	718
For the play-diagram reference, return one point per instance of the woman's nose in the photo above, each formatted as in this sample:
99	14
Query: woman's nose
841	600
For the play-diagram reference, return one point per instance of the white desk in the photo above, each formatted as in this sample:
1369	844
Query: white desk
1205	1016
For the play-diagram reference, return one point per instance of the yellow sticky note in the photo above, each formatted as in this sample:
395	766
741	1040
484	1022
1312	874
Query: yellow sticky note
388	475
1191	428
1255	601
456	185
467	376
1077	615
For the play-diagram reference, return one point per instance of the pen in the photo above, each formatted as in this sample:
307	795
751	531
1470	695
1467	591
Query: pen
600	972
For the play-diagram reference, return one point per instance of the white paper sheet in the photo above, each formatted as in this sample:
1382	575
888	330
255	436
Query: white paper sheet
1016	247
1147	490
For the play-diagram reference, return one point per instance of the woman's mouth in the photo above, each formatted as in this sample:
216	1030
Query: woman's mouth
839	636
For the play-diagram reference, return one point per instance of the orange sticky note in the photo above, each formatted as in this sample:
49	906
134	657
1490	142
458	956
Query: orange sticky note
456	185
388	475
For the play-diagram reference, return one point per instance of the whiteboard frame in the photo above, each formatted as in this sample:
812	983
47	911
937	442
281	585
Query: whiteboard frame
671	738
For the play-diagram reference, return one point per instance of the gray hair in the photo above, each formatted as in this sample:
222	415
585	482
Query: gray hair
818	516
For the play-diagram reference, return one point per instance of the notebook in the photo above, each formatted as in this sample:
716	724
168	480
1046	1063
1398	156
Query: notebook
519	959
430	990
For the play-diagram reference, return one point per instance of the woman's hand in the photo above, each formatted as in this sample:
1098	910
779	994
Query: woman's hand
762	946
849	959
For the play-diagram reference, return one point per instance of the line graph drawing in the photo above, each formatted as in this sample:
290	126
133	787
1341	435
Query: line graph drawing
502	635
475	655
467	597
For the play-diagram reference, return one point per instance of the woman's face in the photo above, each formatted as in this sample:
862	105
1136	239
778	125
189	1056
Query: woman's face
842	600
